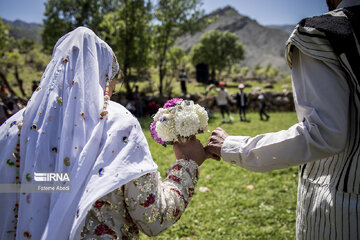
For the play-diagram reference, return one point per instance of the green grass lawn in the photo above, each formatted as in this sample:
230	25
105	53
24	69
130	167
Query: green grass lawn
239	204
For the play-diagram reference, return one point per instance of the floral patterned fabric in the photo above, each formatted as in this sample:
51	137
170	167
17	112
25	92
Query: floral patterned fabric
145	204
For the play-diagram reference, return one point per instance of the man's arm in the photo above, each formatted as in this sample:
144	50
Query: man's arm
322	104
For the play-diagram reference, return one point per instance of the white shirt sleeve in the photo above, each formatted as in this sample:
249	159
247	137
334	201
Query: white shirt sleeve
321	96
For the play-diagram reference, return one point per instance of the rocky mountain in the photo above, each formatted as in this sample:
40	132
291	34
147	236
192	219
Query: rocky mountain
262	44
20	29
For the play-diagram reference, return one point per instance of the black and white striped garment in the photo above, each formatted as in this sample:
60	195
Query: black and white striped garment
329	189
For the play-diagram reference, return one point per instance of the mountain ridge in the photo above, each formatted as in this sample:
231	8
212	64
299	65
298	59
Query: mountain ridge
262	44
21	29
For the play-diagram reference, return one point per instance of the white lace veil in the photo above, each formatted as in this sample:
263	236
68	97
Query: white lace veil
62	132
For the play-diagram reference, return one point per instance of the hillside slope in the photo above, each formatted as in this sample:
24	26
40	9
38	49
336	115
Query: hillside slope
262	44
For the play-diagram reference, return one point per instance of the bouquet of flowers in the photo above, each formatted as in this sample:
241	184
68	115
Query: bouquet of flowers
178	120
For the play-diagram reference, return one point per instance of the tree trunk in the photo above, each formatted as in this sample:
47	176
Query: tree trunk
213	75
6	83
19	81
161	76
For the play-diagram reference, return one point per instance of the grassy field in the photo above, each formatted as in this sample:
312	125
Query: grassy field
239	204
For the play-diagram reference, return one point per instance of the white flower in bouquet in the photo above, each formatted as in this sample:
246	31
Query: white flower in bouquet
159	114
166	130
186	123
178	120
203	117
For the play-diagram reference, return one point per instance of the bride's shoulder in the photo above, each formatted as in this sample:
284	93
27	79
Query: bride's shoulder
118	111
116	107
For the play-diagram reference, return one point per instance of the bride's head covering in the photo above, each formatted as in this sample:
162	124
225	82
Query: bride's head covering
69	126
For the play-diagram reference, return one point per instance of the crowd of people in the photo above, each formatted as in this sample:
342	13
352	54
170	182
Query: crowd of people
140	105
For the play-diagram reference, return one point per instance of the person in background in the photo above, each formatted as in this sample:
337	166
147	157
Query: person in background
222	101
131	106
17	106
241	101
262	107
183	80
324	55
139	104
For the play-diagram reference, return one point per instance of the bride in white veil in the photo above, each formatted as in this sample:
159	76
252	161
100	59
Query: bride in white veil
70	126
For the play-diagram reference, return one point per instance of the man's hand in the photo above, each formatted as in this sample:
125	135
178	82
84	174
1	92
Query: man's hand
192	149
215	142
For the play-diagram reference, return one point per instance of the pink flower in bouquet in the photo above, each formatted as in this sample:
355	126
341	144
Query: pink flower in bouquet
154	134
173	102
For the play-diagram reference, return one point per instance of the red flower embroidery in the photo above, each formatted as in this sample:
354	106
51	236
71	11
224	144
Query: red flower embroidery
149	201
174	178
177	167
103	229
98	204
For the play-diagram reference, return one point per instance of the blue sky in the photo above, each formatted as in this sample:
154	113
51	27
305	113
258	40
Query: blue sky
266	12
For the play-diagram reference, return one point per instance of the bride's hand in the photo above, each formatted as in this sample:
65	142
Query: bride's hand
191	149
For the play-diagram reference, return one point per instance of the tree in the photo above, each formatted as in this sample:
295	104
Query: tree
217	49
271	72
62	16
244	71
5	43
256	70
128	32
173	18
176	59
16	60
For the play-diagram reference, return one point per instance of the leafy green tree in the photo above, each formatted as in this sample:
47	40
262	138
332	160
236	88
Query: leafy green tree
256	70
173	18
271	72
24	45
15	60
5	43
218	49
62	16
176	58
4	37
128	31
244	71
